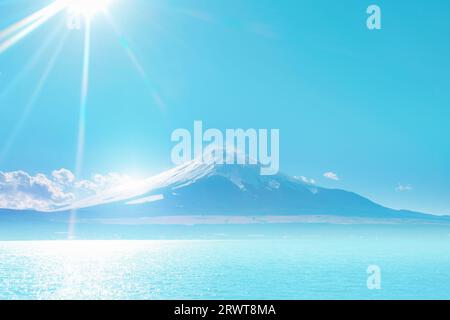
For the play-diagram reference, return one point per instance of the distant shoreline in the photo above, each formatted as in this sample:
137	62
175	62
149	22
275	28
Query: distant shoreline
268	219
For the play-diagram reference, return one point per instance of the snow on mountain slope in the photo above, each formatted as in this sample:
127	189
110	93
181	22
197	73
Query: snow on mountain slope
208	188
205	187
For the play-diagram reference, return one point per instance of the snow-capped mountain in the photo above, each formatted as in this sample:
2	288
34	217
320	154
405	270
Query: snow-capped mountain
207	188
204	187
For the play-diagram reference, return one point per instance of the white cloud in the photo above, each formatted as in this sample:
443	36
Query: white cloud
403	187
22	191
331	175
63	176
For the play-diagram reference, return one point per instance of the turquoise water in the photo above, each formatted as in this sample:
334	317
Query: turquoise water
300	268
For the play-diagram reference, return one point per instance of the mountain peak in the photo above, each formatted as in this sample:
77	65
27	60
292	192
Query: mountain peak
218	155
228	163
209	185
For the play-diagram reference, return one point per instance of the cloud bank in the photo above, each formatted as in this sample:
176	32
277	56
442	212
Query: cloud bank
21	191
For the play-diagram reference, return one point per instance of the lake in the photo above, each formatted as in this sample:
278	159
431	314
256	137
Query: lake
413	265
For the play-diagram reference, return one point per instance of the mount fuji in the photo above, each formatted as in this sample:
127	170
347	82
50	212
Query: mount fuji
200	191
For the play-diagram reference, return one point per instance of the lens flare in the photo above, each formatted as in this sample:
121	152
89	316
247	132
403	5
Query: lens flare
88	8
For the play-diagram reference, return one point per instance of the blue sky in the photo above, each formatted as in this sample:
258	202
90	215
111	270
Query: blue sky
370	106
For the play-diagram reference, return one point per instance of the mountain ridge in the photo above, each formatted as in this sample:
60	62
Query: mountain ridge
209	188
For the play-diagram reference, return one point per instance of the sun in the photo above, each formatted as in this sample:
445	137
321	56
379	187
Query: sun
88	8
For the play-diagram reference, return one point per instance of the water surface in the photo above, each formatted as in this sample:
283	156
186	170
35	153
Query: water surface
298	268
